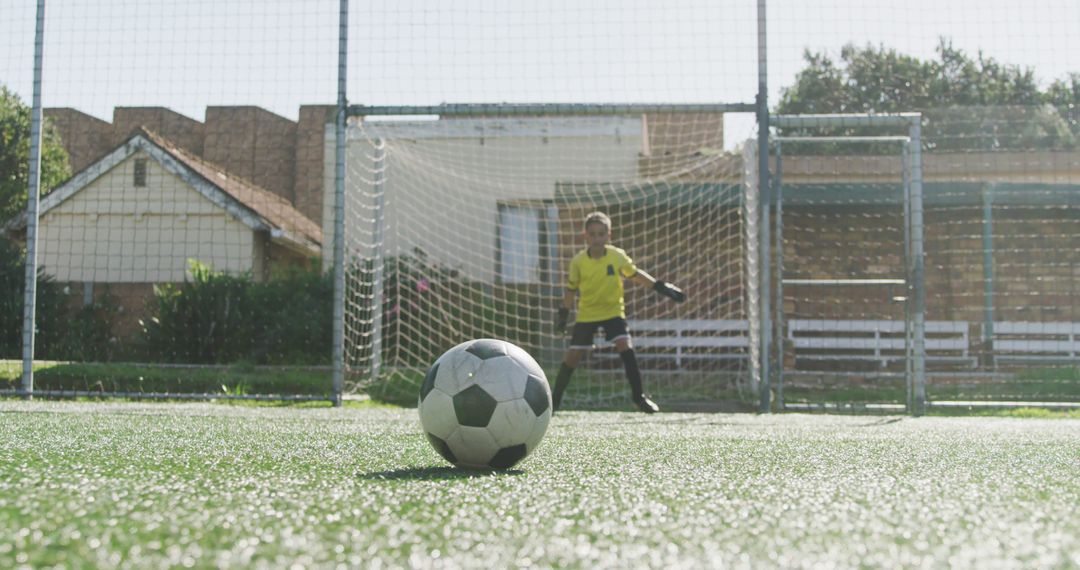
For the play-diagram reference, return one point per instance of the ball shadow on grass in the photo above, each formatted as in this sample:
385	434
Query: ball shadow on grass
436	473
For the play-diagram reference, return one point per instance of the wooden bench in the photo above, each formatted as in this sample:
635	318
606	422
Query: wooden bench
1015	341
682	341
877	341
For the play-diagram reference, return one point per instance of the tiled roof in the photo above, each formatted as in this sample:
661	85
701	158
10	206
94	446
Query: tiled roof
273	208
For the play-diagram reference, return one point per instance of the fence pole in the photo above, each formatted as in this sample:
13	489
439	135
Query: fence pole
378	259
339	204
778	191
909	289
988	271
32	202
765	405
918	267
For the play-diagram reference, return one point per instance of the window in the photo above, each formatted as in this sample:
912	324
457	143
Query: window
140	172
527	242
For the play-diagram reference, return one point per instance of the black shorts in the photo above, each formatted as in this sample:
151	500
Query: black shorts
583	334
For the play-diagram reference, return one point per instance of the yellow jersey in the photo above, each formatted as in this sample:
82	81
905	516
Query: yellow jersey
599	283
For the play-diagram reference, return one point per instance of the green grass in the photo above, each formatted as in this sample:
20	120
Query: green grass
1015	413
599	390
1034	385
237	379
148	485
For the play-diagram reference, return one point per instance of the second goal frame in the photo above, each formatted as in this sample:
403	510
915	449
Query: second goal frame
915	296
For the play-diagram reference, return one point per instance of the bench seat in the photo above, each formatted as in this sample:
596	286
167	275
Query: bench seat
682	340
880	341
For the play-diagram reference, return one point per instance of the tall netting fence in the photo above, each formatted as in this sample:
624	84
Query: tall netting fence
478	146
187	247
178	236
464	227
999	129
189	185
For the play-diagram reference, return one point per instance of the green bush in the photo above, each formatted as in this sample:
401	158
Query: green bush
52	323
428	308
217	318
294	322
88	335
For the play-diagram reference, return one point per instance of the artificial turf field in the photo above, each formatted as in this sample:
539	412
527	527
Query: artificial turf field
208	485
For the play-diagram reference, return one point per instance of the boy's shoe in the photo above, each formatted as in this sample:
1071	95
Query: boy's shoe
646	405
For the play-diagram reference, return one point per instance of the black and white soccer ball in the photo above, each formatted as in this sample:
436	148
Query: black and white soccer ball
485	404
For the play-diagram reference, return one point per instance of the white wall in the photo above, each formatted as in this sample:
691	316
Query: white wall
444	179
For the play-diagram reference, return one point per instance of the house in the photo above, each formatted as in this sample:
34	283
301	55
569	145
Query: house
278	154
137	215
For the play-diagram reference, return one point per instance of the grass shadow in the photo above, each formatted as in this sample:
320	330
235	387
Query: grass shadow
436	473
883	422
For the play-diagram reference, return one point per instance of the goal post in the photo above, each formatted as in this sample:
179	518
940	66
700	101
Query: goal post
914	326
460	221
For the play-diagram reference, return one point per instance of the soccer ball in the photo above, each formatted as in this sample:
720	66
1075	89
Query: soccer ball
485	404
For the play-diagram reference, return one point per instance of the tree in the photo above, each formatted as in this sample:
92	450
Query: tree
967	103
15	156
14	183
1064	95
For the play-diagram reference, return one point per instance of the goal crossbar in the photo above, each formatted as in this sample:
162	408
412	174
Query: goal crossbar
852	139
846	120
534	109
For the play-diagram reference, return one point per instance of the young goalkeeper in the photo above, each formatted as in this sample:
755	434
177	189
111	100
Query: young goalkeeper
596	279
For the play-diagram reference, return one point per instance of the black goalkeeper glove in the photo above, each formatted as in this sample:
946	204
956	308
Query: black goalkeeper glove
560	320
670	291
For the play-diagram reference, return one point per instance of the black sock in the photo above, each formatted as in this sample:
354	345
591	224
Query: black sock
560	385
632	373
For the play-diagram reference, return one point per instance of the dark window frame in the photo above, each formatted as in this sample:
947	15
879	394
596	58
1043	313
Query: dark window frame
140	171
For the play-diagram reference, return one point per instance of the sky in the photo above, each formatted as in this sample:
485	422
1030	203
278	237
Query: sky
280	54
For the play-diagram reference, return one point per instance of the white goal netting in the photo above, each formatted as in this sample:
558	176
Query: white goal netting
463	227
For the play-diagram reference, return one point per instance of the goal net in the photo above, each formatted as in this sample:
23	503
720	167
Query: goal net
463	227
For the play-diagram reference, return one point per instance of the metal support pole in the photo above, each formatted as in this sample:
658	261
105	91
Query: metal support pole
377	259
909	328
988	271
339	204
918	273
33	198
779	192
765	405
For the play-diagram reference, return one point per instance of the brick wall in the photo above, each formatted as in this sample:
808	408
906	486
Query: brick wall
310	137
86	138
183	131
850	242
254	144
1036	262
